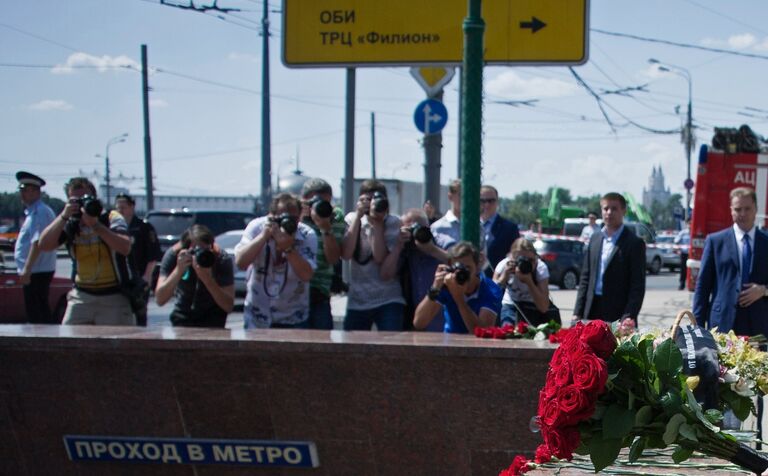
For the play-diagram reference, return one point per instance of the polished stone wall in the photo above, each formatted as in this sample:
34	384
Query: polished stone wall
373	403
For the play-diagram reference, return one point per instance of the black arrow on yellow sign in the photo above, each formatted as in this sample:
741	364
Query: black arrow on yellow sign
535	24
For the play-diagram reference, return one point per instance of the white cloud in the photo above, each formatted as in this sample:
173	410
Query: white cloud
510	85
51	105
158	103
737	42
100	63
653	72
742	41
763	45
247	57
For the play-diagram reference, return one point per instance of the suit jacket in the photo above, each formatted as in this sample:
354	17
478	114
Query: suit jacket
623	280
503	233
715	300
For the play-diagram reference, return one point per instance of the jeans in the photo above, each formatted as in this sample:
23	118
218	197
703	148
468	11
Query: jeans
508	314
320	316
388	317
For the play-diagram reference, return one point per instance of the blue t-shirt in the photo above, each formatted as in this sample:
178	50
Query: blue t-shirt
488	295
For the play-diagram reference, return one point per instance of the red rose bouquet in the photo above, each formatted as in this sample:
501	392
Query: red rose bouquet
521	330
603	394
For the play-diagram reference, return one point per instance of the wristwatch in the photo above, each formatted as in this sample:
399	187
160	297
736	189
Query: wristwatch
433	293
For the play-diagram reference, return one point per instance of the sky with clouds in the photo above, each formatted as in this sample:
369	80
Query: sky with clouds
71	77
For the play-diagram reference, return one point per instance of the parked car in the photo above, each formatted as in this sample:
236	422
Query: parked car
12	308
670	258
170	224
573	226
227	241
563	259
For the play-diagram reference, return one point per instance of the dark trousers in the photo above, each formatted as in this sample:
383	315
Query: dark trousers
683	269
36	298
596	310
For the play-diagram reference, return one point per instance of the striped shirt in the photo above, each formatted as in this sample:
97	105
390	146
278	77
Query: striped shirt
323	276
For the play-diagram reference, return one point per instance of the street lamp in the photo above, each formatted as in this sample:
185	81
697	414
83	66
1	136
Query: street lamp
687	135
112	141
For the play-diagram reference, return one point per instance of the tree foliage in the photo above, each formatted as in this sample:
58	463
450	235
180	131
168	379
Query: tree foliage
11	207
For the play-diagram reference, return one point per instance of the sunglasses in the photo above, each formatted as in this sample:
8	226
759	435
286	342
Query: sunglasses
487	200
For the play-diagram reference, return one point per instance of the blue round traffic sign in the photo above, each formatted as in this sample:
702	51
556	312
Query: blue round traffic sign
430	116
688	184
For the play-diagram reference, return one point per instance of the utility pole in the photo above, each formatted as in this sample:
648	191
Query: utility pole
349	144
147	141
471	122
373	145
266	141
433	144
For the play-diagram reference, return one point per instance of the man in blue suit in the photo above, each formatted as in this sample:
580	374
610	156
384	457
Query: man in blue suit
498	232
731	290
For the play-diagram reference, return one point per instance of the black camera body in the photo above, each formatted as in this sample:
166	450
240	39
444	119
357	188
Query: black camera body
524	264
379	202
205	257
421	233
90	204
287	223
322	208
460	272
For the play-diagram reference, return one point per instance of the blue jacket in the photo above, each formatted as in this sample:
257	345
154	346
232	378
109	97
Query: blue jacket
503	233
715	301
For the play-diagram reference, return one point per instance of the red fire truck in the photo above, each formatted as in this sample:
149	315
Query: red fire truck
719	172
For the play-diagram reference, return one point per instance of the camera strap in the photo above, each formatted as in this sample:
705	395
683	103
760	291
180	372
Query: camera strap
356	254
266	274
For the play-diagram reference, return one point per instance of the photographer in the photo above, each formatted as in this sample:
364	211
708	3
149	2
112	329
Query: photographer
525	279
279	253
328	224
201	277
468	298
415	258
371	235
98	243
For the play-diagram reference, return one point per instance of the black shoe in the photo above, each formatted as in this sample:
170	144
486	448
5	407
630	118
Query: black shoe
680	287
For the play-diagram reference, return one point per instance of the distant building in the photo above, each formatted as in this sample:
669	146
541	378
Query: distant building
655	191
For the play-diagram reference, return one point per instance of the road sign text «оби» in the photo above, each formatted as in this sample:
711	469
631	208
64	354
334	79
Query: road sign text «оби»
407	32
295	454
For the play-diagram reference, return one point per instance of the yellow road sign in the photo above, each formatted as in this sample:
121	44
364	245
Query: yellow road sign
409	32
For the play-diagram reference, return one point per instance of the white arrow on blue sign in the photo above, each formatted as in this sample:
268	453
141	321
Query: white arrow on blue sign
430	116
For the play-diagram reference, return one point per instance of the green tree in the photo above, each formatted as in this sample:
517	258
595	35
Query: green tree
663	214
11	207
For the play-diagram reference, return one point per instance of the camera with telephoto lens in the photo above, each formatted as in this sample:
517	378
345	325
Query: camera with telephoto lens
379	202
286	222
460	272
322	208
420	233
524	264
90	204
204	257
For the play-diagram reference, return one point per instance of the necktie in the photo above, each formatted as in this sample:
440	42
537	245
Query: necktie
746	260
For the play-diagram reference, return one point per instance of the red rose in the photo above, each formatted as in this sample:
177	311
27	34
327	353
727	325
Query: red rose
575	404
543	455
561	375
519	465
480	331
561	441
590	373
522	327
552	414
597	334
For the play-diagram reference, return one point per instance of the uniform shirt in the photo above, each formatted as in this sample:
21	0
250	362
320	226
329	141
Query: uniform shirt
517	290
97	267
275	292
323	276
144	244
38	216
366	288
586	232
487	296
447	231
193	300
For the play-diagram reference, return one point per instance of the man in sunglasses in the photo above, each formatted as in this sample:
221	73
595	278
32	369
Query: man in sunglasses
499	233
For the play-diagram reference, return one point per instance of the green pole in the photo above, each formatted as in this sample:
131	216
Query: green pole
471	123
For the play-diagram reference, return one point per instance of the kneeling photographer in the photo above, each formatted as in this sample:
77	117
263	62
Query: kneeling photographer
525	279
468	298
279	253
201	277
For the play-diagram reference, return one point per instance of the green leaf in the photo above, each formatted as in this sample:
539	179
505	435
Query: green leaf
694	405
644	416
688	432
655	441
714	416
636	450
628	358
741	406
668	362
671	403
618	422
603	452
645	347
681	454
673	427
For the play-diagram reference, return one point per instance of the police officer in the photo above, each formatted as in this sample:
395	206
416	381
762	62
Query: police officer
145	248
36	267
